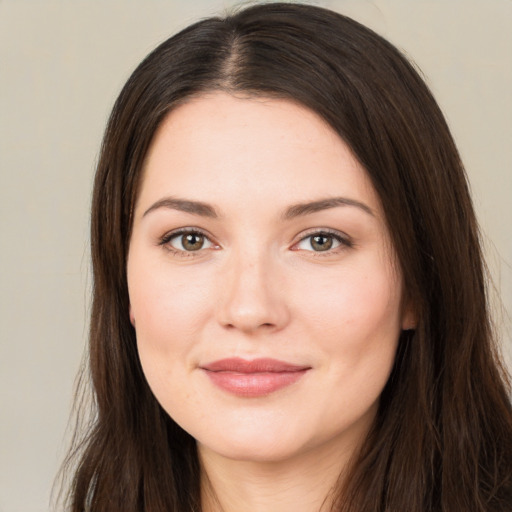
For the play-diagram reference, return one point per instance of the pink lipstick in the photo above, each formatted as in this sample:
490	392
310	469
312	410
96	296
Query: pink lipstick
253	378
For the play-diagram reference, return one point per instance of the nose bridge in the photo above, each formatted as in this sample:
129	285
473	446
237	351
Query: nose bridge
251	298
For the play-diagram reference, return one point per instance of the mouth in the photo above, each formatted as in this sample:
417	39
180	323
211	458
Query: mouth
253	378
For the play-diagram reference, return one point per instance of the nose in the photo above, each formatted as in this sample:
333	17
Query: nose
252	296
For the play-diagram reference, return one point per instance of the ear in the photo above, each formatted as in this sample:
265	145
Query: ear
132	318
409	317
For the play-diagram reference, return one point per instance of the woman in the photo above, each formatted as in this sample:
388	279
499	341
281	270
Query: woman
289	307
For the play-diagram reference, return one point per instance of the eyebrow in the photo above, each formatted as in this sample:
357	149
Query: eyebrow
297	210
307	208
184	205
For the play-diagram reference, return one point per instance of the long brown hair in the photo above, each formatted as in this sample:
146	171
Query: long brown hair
442	438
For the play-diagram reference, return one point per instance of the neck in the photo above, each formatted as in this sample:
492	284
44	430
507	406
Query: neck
302	484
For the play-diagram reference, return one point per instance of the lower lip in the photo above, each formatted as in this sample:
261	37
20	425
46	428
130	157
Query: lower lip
254	384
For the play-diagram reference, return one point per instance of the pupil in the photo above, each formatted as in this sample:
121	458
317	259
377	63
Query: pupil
193	242
321	242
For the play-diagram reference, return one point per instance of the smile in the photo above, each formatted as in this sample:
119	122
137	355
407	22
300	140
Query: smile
258	377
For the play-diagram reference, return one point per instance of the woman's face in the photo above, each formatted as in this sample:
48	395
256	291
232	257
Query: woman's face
262	281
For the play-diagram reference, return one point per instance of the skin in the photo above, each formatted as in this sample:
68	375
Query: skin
257	287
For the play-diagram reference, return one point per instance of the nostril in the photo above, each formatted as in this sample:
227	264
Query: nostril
266	324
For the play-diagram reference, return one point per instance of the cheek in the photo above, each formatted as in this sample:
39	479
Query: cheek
355	320
165	303
167	308
354	301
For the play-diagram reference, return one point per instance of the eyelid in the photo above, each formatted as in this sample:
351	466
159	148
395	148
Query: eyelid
344	240
167	237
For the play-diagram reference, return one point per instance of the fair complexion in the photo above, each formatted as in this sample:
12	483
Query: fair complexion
257	235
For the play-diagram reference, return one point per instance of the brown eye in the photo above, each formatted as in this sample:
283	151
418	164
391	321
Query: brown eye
321	242
189	241
192	241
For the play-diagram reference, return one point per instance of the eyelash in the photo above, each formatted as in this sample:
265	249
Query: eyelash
166	239
344	241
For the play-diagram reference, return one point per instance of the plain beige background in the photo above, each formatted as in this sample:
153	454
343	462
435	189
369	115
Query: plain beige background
61	66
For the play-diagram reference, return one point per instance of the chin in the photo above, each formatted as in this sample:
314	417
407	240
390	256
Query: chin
253	449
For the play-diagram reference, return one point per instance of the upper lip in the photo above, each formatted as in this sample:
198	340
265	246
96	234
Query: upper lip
261	365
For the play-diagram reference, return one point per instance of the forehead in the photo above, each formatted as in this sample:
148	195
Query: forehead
267	149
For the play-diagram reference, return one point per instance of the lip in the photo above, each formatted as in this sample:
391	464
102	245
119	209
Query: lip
253	378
